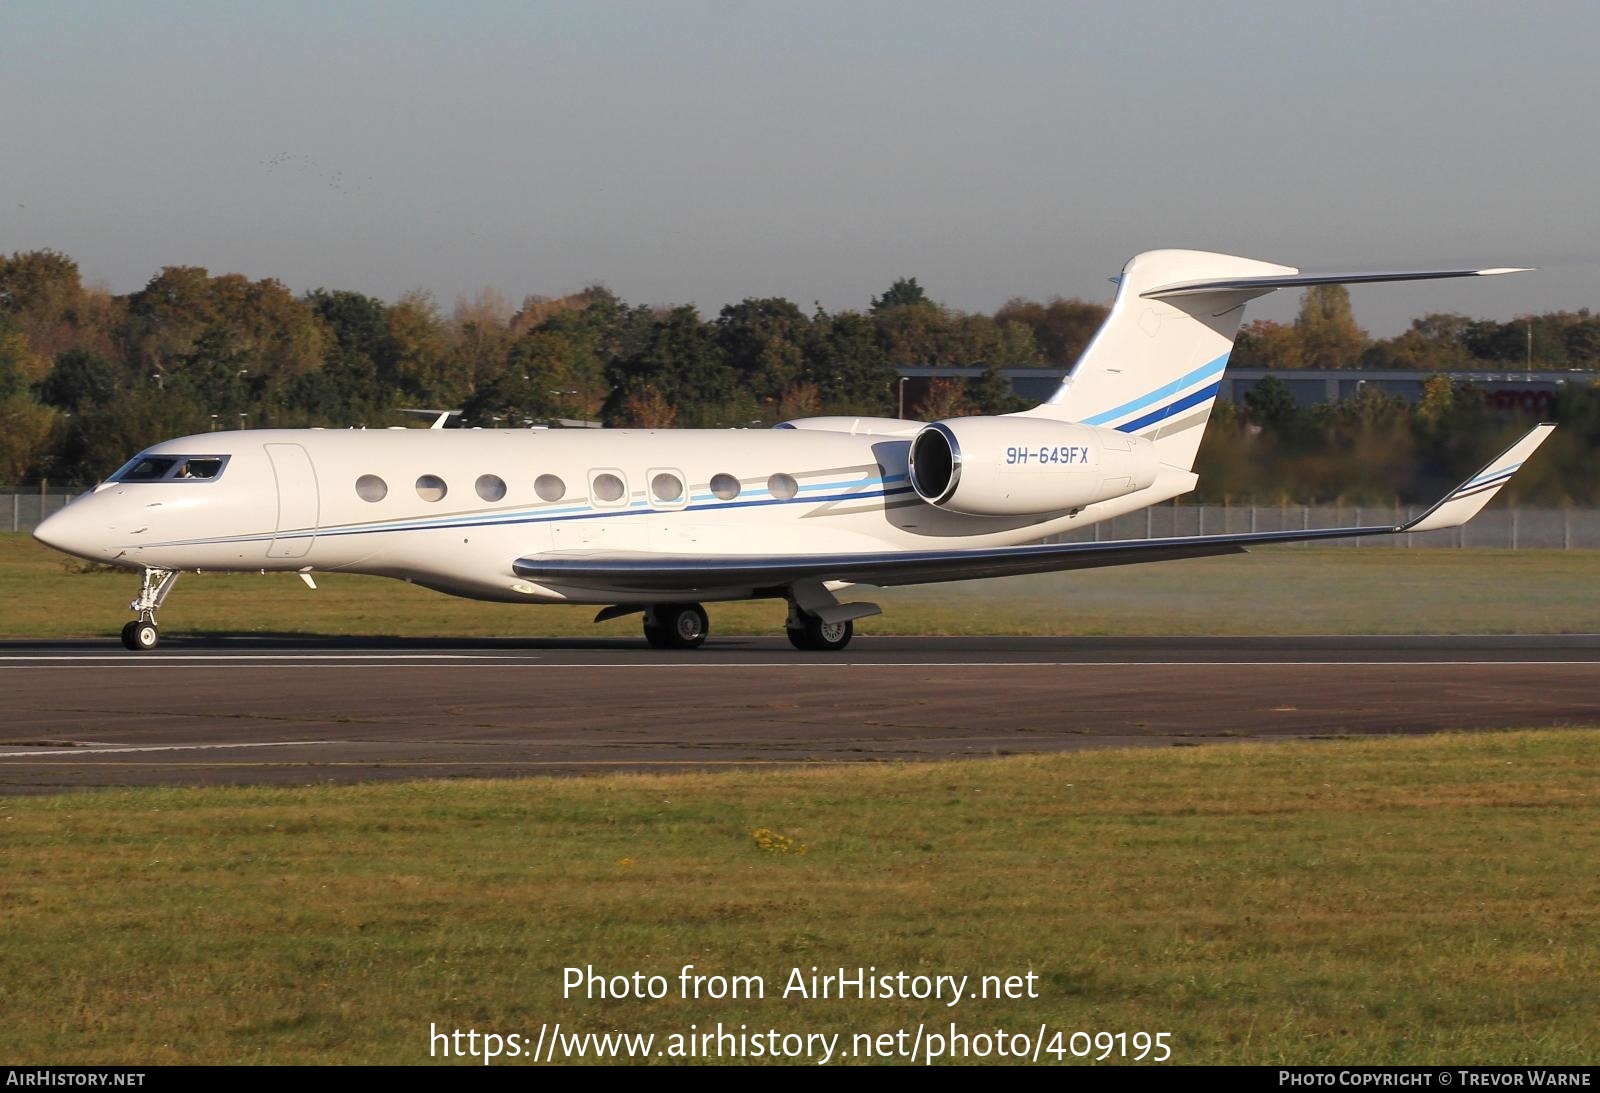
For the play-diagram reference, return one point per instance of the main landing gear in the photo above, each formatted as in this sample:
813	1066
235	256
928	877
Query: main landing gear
141	634
817	621
814	635
676	625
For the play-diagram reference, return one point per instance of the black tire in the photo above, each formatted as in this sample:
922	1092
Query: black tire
798	639
141	637
823	637
677	626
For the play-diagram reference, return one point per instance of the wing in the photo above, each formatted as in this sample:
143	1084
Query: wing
691	572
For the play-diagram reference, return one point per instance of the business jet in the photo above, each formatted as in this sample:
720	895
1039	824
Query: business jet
660	521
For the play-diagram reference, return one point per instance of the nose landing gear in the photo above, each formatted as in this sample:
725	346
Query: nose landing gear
141	634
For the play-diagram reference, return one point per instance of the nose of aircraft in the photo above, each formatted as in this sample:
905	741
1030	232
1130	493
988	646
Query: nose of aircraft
76	529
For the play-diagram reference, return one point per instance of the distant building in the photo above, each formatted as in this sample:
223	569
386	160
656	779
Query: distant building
1534	392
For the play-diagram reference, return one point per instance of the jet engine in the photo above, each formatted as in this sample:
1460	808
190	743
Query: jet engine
1020	466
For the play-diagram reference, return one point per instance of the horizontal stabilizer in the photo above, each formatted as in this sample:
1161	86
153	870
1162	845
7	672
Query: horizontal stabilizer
1259	286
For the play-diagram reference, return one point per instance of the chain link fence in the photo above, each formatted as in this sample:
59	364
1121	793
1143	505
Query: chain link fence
1510	528
26	510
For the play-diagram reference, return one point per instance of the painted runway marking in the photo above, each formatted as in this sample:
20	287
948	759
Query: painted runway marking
113	658
96	749
313	661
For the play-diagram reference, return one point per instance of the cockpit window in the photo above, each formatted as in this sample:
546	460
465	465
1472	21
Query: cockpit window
148	468
171	468
205	467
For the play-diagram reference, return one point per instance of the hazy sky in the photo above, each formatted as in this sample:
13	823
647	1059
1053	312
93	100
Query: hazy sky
705	151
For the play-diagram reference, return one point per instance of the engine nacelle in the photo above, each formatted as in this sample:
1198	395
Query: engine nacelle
1019	466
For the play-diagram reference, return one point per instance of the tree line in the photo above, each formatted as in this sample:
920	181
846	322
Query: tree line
88	377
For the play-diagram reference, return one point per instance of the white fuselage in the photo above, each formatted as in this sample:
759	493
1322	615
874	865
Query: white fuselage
453	509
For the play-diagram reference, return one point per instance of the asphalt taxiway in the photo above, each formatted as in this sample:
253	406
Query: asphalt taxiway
303	710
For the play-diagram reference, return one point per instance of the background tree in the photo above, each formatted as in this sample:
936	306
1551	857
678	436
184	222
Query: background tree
683	365
905	292
41	294
414	353
1061	329
990	393
19	364
27	438
80	381
1266	344
944	398
763	341
1327	330
1271	406
848	365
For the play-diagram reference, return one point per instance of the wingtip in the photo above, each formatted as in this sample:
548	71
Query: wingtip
1498	270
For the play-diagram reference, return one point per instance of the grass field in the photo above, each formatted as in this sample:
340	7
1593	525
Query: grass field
1420	900
1275	591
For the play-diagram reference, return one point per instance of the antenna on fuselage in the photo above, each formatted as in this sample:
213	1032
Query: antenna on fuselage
439	416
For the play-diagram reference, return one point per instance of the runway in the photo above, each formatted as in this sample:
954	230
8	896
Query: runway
305	710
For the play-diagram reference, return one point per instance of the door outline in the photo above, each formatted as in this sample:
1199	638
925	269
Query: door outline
299	501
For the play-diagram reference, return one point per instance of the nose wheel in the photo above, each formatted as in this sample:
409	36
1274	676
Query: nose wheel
141	635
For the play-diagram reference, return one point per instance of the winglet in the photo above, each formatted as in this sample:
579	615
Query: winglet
1467	499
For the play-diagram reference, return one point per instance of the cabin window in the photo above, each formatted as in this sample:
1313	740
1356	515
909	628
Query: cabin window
549	487
782	486
369	487
666	487
491	487
607	488
430	487
725	486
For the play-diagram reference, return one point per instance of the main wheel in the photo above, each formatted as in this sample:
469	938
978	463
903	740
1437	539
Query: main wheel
140	636
818	636
676	626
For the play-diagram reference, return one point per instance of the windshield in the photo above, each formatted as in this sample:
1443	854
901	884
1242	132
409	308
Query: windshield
170	468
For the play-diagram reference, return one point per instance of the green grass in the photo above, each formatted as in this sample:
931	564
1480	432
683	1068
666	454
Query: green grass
1274	591
1425	900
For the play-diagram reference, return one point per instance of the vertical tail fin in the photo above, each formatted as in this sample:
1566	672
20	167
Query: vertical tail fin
1155	365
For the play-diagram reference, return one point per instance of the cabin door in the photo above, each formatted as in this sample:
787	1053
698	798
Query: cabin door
298	503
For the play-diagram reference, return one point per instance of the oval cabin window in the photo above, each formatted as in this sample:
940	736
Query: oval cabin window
369	487
491	487
782	486
666	487
430	487
549	487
